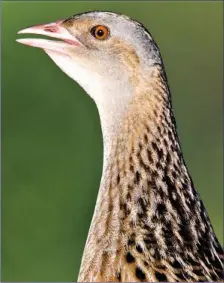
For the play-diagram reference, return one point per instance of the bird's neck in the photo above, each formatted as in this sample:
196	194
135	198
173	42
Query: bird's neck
145	187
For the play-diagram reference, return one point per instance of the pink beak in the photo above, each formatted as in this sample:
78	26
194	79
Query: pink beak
55	30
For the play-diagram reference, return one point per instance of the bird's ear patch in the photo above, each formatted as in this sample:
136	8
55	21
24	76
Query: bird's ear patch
126	52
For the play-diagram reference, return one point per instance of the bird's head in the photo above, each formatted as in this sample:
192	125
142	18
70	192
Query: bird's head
104	52
96	48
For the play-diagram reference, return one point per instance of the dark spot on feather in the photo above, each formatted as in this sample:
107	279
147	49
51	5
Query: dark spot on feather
118	179
160	153
131	242
119	276
150	239
176	264
184	185
145	263
125	208
161	208
159	129
154	219
137	177
185	231
147	128
198	272
160	277
154	176
141	215
128	196
139	155
140	146
168	158
177	203
145	138
176	168
149	156
161	266
133	235
142	204
146	227
168	234
174	174
165	143
157	255
162	193
140	274
170	135
158	165
139	248
170	241
129	187
132	168
129	258
154	146
148	242
155	113
110	207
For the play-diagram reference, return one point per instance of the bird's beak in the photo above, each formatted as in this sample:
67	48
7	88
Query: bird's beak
55	30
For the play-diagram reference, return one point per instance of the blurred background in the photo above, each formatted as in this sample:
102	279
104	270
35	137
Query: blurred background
51	135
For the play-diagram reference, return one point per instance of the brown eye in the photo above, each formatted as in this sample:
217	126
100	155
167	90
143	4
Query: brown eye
100	32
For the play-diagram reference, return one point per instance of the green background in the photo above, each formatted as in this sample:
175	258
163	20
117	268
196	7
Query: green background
51	136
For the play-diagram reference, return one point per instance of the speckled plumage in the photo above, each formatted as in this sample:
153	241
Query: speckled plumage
149	223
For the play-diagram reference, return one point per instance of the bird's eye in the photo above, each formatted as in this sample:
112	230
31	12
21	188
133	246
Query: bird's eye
100	32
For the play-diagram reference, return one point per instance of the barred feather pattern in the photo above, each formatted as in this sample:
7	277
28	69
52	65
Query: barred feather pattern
149	223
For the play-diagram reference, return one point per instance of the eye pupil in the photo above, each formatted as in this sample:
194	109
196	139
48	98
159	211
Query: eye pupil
100	32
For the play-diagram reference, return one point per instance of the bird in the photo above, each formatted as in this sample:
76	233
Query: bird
149	222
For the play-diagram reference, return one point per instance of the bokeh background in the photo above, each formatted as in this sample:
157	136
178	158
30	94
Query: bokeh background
51	136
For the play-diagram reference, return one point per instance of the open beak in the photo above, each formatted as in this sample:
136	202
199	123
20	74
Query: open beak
55	30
